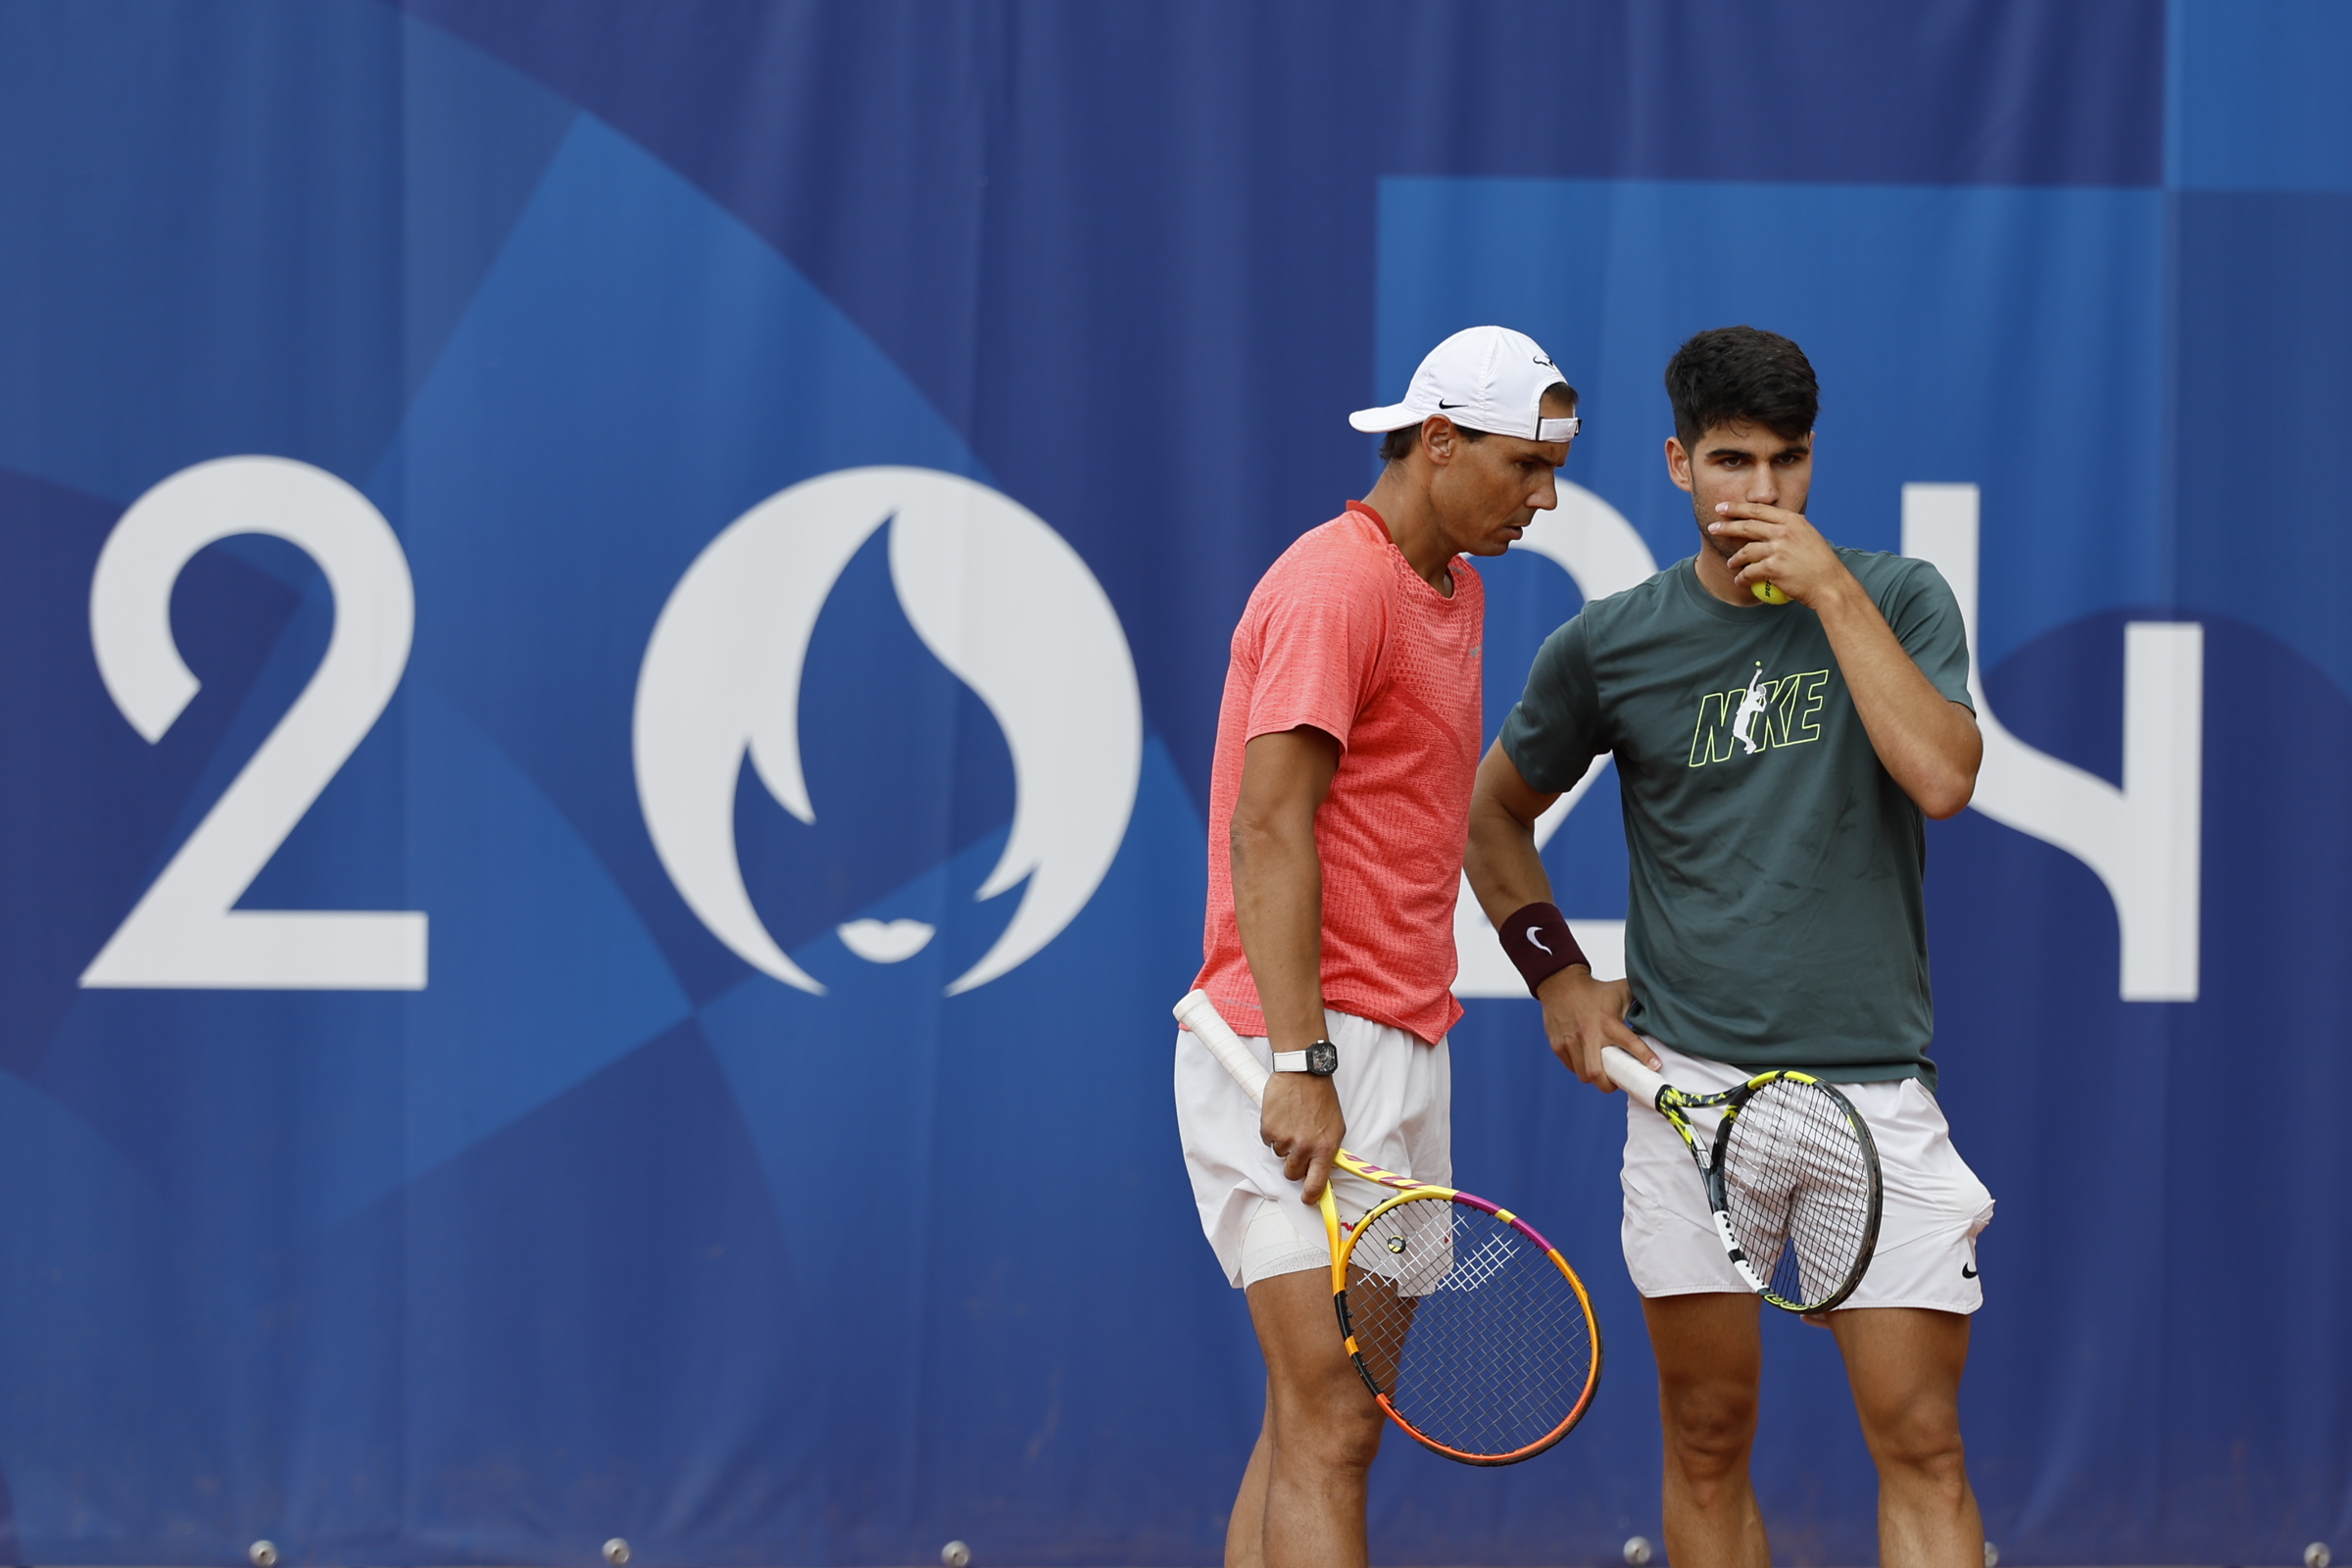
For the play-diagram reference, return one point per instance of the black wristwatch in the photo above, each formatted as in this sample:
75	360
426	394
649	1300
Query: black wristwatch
1318	1060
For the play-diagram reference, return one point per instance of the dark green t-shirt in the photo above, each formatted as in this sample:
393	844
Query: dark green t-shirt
1775	917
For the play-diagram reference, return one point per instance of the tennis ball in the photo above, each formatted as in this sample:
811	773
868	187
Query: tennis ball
1770	593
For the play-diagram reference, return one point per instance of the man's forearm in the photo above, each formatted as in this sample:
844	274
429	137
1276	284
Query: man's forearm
1278	904
1506	871
1927	742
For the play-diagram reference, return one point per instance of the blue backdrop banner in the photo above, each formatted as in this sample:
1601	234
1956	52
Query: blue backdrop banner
611	625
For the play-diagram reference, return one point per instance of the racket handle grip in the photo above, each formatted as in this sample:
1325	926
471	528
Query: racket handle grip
1630	1075
1200	1015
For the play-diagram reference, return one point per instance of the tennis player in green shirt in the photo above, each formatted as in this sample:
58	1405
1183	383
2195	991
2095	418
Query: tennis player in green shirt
1776	754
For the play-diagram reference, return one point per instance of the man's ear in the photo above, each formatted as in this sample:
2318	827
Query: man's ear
1438	437
1677	462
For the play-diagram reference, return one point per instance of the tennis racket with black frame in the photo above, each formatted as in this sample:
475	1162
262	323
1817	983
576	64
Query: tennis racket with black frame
1791	1176
1469	1328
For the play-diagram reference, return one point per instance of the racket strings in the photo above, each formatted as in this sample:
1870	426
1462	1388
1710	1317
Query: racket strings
1798	1184
1480	1341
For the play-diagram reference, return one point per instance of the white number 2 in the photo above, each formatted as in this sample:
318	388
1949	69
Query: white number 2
186	931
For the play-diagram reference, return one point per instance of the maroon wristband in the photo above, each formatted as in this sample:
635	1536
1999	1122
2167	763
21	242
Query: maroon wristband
1540	944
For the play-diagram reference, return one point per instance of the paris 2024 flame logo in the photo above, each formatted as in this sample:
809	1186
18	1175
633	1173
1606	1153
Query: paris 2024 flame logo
995	595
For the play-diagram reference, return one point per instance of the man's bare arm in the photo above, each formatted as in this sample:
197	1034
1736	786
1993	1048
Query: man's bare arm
1929	742
1581	1015
1278	907
1505	871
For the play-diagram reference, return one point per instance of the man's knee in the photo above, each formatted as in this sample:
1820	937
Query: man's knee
1318	1412
1905	1365
1325	1419
1709	1425
1710	1359
1920	1435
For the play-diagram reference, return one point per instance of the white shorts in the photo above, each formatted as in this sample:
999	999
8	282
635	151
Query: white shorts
1397	1094
1926	1253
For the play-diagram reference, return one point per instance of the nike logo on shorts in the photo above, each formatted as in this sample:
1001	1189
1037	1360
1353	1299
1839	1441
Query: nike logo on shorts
1968	1271
1539	941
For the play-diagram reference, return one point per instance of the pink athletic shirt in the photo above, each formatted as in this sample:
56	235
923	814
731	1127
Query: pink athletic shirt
1343	634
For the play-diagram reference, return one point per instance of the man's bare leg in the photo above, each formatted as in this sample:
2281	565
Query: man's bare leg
1710	1353
1905	1363
1301	1503
1246	1531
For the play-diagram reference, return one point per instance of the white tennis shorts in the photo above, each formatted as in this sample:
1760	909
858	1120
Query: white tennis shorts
1935	1205
1397	1094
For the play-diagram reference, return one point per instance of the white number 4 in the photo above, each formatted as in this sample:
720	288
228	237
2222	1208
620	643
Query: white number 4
186	931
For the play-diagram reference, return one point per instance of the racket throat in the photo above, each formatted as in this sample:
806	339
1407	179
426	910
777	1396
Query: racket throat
1738	1253
1355	1355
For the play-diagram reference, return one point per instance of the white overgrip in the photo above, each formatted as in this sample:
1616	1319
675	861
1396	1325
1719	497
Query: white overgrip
1630	1075
1200	1015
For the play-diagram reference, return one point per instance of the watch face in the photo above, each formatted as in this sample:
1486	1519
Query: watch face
1322	1058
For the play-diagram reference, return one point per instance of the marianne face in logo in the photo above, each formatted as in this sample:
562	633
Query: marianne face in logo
997	598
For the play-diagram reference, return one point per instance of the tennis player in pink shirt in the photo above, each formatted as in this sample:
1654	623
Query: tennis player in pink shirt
1339	808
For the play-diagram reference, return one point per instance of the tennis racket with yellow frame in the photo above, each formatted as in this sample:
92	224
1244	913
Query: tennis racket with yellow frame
1469	1328
1792	1178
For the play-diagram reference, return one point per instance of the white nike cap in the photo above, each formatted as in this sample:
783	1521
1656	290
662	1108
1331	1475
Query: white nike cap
1487	377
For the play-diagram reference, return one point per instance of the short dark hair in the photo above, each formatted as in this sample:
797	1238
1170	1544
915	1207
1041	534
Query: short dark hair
1741	376
1398	445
